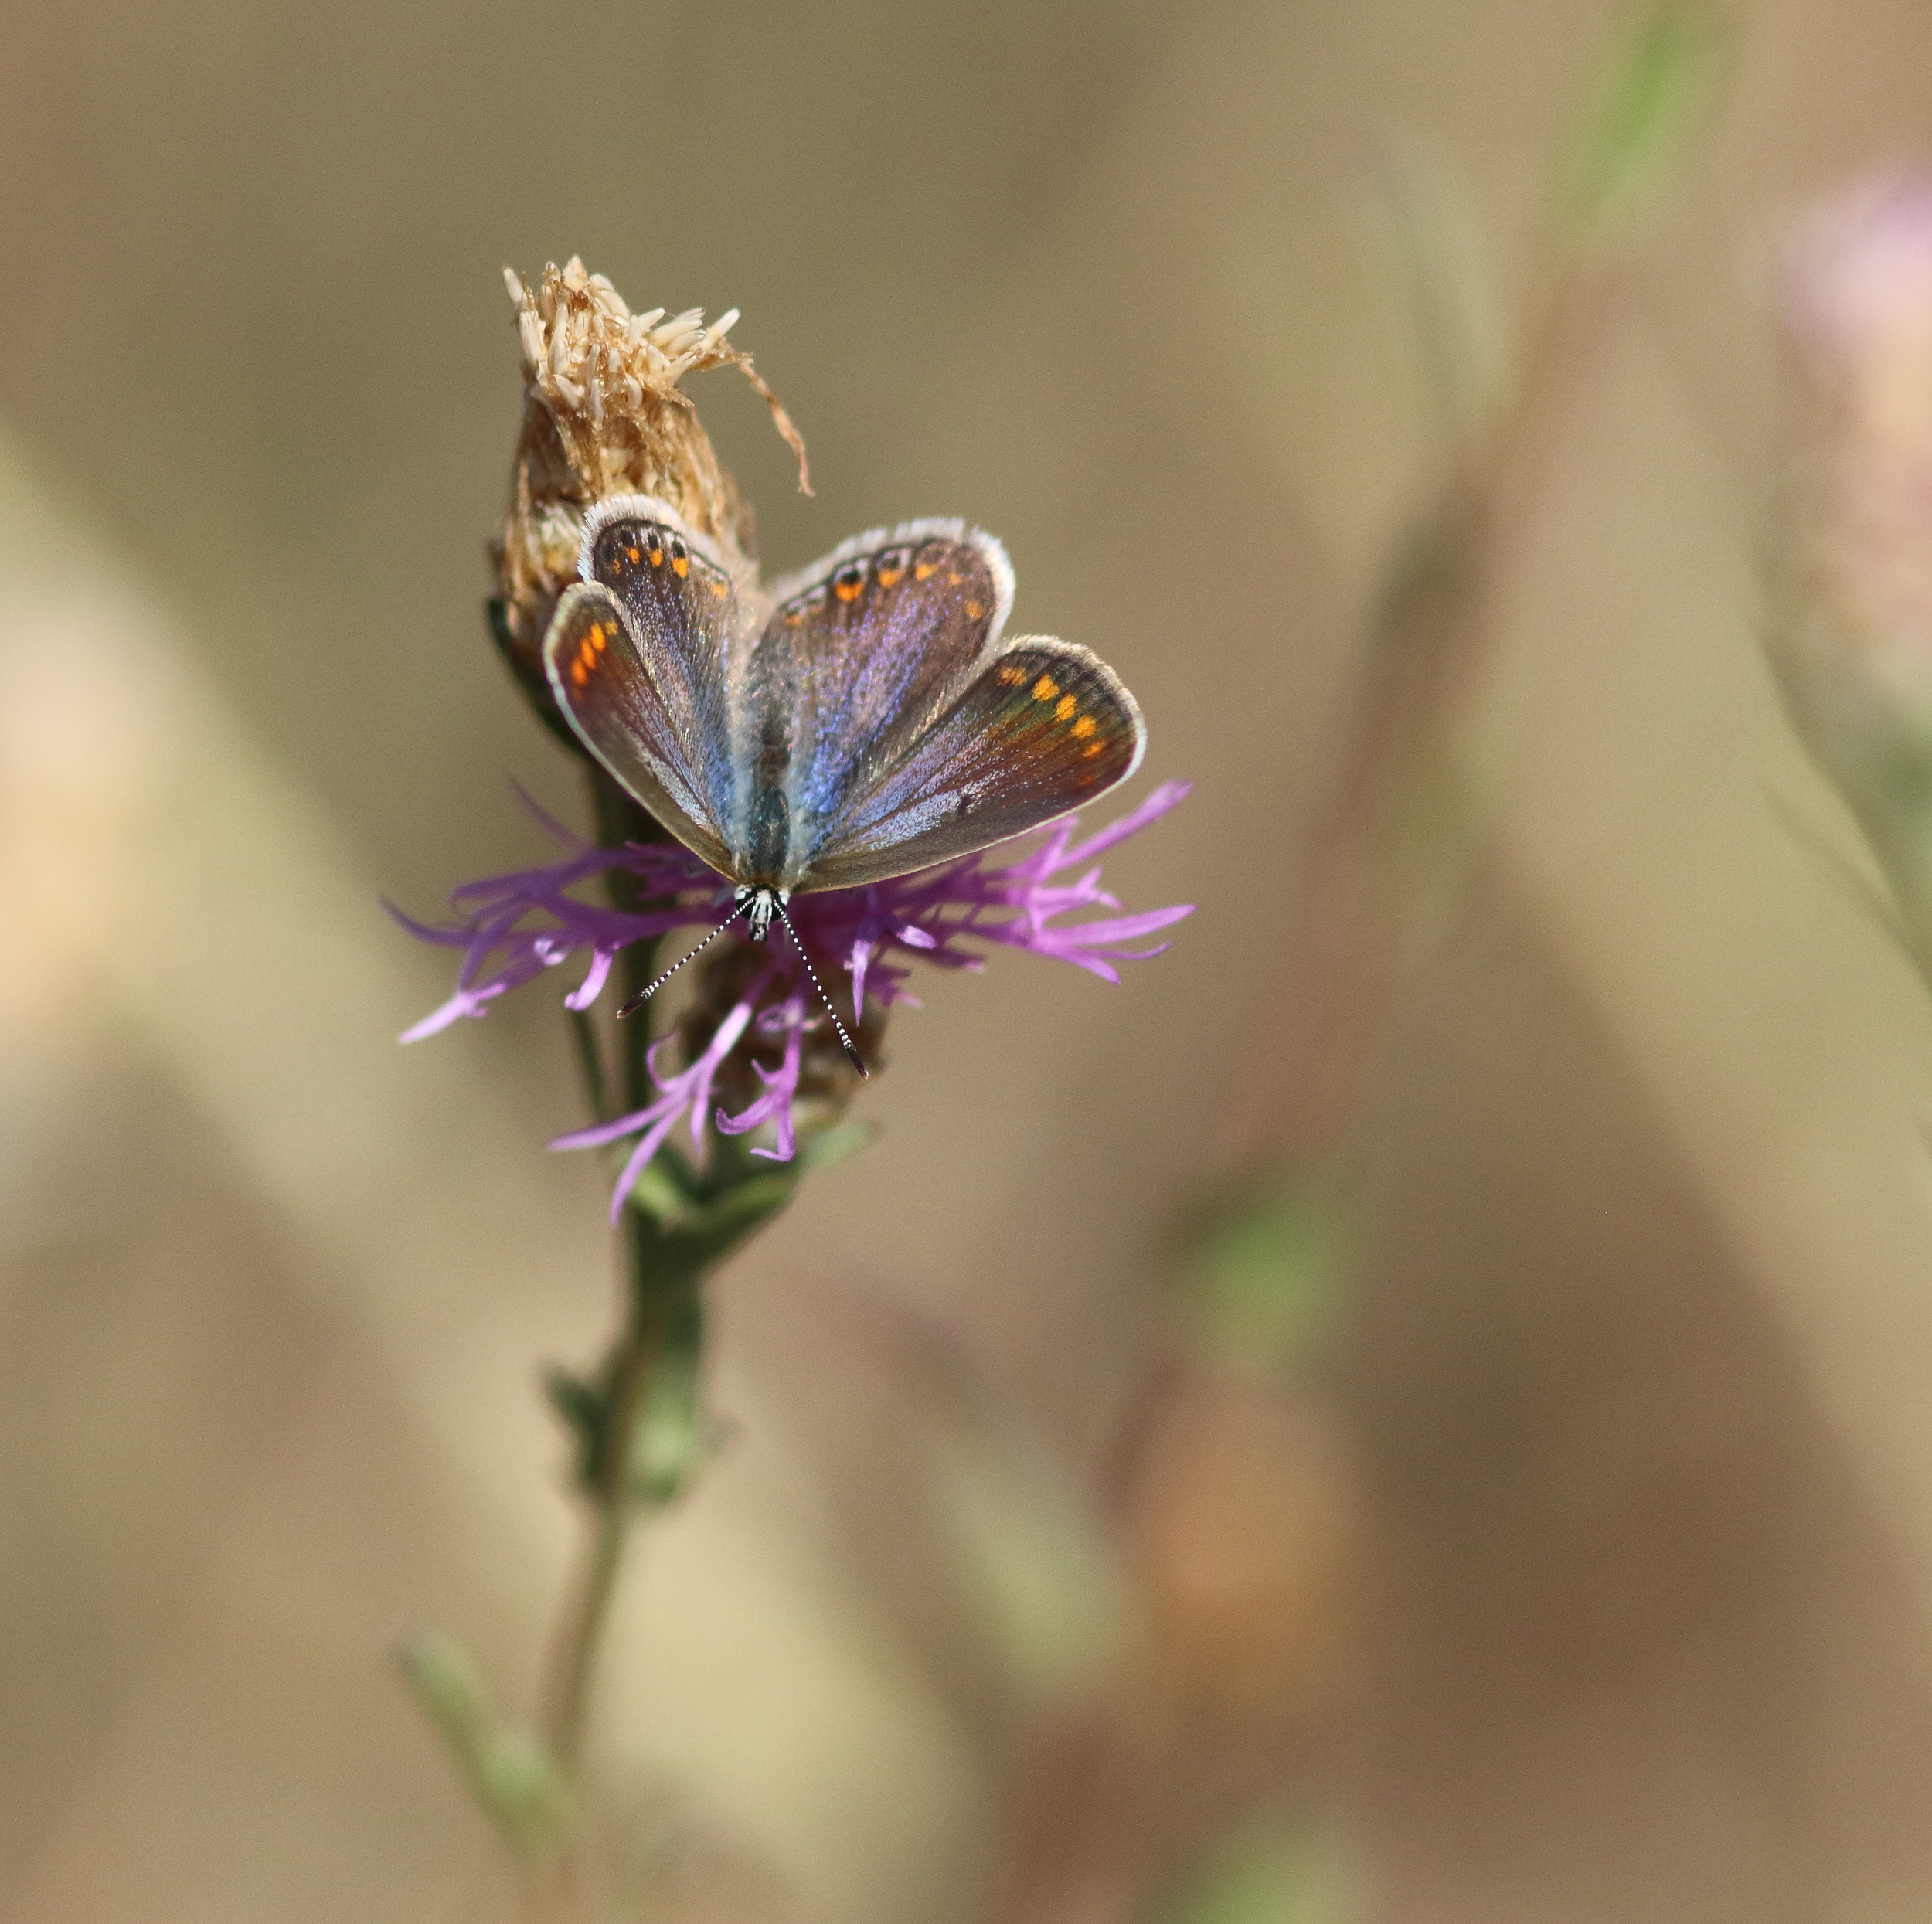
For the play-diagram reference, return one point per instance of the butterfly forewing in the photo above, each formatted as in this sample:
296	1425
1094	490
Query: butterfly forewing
637	655
1046	727
883	634
675	589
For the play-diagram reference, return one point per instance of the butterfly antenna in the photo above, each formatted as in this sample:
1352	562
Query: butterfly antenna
645	994
851	1054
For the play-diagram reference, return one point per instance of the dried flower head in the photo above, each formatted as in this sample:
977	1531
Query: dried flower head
604	413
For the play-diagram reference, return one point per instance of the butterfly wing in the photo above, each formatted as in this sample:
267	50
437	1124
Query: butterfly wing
872	645
1045	727
639	655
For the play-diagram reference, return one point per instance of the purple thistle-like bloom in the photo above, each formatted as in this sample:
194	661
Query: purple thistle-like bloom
511	928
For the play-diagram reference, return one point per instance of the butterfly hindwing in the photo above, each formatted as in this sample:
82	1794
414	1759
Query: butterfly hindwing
880	637
1046	727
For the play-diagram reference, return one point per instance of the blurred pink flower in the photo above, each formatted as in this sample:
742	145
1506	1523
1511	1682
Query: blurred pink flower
1858	307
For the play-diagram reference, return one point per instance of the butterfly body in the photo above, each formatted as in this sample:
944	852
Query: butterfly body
863	719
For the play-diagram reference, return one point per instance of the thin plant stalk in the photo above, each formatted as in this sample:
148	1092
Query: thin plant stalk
578	1641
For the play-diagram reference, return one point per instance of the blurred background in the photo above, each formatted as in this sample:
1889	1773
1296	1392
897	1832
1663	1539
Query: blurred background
1577	1565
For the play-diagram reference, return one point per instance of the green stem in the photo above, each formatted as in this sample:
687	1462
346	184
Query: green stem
613	1509
590	1062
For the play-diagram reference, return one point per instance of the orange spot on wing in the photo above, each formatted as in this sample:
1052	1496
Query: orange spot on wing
1091	750
580	672
847	590
632	552
682	566
922	569
1085	726
973	611
1064	707
888	576
1012	677
657	557
1046	689
719	590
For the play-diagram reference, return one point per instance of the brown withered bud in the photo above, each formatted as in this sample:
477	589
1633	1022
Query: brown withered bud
604	414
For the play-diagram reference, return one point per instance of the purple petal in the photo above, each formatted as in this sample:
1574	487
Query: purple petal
548	822
1167	797
648	1144
587	990
465	1002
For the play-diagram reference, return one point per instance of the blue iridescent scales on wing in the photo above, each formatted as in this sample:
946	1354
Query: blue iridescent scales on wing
864	720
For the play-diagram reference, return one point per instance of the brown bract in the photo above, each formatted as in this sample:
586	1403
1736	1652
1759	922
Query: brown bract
604	414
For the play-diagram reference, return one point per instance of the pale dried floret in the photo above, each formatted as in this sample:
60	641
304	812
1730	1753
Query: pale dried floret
604	414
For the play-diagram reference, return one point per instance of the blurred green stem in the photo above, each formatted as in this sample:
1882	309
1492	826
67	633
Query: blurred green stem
1391	838
1390	843
658	1304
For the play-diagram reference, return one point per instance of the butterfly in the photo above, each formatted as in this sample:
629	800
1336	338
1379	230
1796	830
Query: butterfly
863	718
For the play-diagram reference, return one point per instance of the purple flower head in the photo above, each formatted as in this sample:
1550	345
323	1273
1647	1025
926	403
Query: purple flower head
1856	293
1857	289
757	1035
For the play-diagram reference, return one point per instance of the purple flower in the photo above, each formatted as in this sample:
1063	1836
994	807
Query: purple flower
760	1017
1858	309
1850	599
1857	291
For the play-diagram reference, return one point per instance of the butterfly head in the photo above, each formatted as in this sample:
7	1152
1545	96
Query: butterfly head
758	905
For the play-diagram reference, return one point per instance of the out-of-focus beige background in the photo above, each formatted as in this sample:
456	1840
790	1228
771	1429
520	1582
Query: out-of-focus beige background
1633	1393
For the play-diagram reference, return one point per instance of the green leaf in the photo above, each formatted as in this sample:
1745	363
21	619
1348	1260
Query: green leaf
509	1772
585	1409
835	1143
1442	282
663	1191
1033	1559
1265	1271
1270	1876
673	1441
689	1221
1647	101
